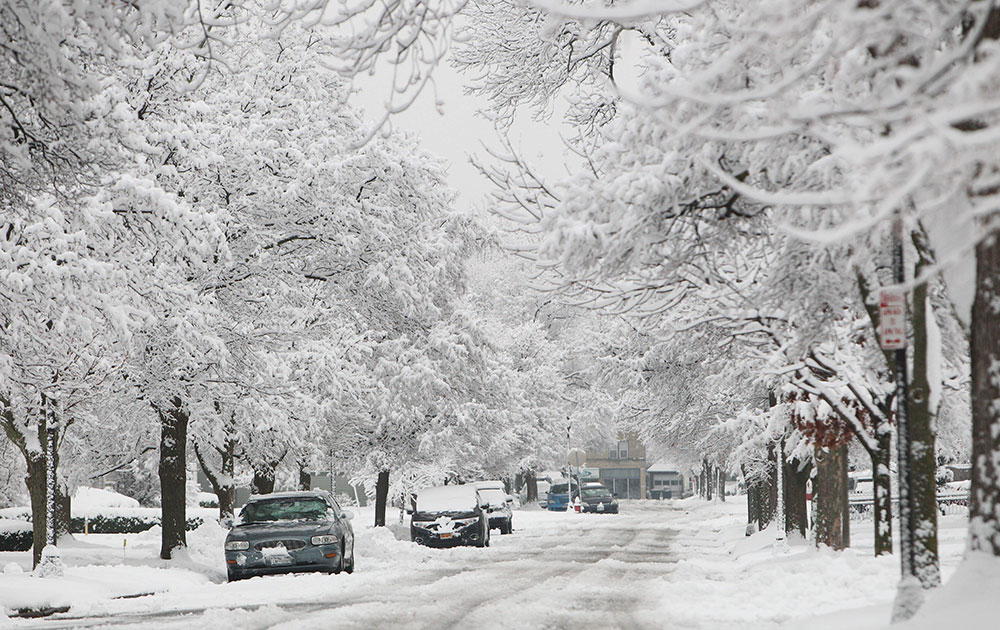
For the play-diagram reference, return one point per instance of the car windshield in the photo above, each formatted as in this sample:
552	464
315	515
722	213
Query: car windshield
595	493
308	509
558	488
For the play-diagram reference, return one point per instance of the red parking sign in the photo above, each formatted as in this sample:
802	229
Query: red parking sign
892	319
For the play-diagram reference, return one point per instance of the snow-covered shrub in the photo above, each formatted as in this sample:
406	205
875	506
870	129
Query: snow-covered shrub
15	535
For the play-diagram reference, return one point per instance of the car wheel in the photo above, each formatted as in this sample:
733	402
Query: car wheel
340	561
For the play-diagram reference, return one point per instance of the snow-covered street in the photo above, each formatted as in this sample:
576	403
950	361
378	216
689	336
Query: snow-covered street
668	564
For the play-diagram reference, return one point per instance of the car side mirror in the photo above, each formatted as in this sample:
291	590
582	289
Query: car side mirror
347	514
409	510
510	499
226	522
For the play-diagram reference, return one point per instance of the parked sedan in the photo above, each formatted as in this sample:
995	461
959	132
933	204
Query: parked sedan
290	532
597	498
450	516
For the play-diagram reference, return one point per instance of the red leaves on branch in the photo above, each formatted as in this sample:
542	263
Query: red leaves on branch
819	423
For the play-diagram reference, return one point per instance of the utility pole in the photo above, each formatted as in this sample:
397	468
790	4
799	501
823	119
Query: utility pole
892	322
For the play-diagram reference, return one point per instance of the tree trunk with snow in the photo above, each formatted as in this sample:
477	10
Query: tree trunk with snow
984	498
769	489
173	477
35	480
923	464
305	479
532	485
381	497
796	476
830	511
64	504
845	505
722	484
882	490
709	481
221	480
879	449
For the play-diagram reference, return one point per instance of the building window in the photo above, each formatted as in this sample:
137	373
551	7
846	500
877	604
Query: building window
623	449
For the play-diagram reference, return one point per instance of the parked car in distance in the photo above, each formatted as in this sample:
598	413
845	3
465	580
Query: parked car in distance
449	516
499	512
597	498
290	532
558	498
543	492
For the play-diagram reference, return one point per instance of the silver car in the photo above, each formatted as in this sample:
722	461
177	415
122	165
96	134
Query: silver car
500	504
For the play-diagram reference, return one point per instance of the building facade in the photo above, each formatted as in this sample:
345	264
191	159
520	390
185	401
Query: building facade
664	481
622	466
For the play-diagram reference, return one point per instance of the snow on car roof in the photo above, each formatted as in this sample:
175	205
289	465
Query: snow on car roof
492	485
447	498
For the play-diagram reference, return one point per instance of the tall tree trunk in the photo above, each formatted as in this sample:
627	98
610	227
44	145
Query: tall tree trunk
722	484
532	485
305	479
173	477
923	463
845	506
752	496
882	490
829	496
709	482
222	482
984	498
63	511
796	476
35	480
769	489
381	497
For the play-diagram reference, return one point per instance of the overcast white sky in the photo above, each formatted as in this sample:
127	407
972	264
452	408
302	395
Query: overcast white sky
456	131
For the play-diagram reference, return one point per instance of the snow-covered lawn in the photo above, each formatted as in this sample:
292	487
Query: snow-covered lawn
671	564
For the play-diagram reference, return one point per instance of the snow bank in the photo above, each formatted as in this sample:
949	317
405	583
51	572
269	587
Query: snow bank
967	600
11	525
86	498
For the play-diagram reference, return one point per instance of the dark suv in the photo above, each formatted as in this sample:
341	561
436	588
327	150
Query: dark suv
449	516
290	532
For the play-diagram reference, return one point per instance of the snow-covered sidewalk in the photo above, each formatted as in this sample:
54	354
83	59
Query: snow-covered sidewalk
670	564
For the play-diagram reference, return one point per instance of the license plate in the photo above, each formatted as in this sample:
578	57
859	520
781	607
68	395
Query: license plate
280	561
445	535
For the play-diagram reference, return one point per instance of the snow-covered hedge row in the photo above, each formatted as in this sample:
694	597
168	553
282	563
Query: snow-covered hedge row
14	535
107	520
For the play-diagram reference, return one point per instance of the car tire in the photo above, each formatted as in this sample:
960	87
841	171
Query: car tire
340	560
349	568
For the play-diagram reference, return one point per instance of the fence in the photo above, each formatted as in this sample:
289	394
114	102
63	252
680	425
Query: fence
949	503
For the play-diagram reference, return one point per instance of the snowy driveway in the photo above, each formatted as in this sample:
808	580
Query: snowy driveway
556	570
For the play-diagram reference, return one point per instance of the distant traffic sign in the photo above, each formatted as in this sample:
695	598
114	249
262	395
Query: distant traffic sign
892	319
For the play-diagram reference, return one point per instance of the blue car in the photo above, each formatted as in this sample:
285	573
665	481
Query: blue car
558	499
